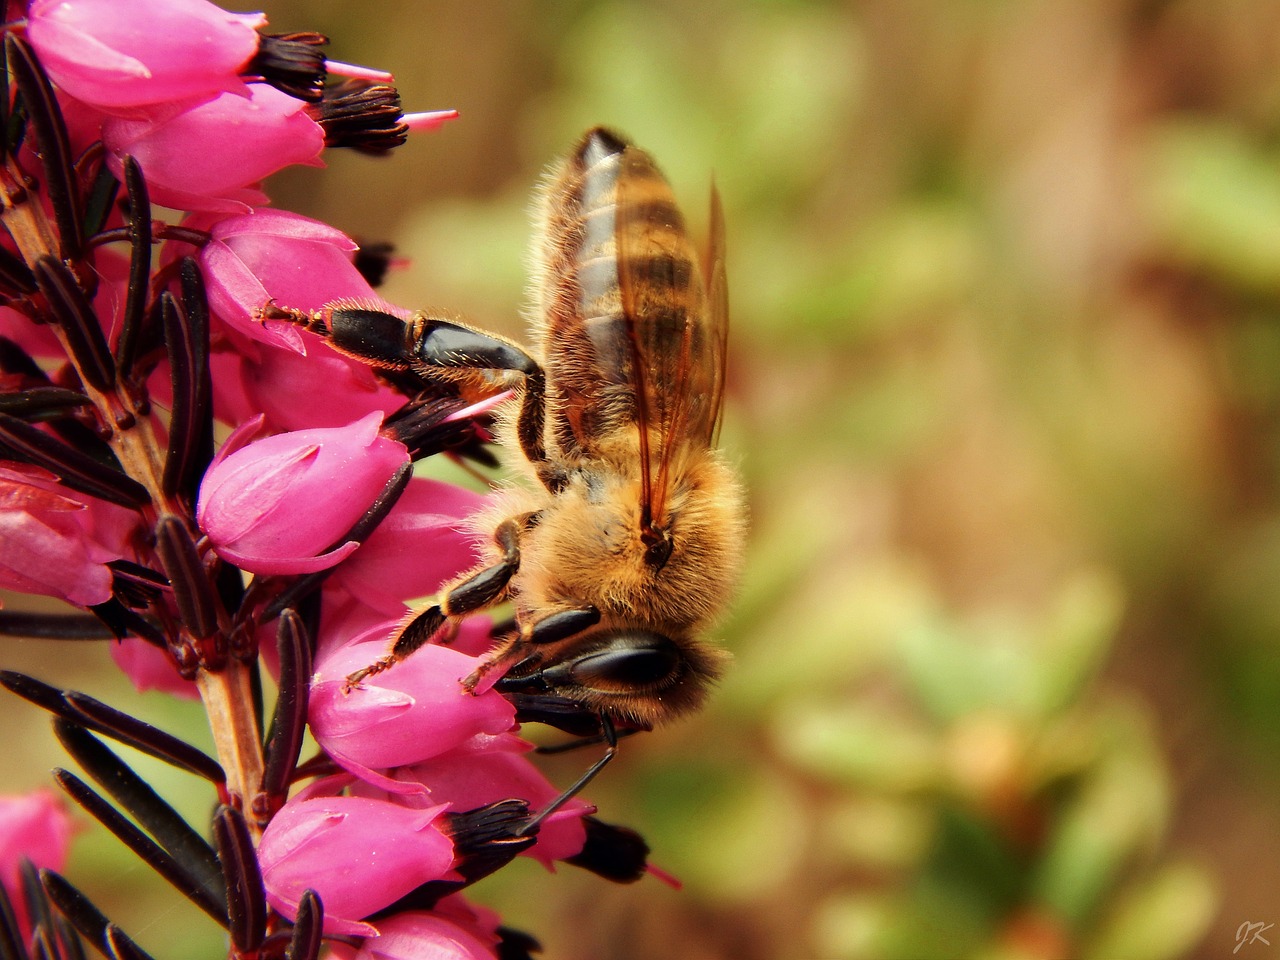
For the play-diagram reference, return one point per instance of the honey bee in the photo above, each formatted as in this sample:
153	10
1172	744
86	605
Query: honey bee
625	543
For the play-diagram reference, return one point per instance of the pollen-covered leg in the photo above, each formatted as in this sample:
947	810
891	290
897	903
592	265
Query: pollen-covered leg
475	592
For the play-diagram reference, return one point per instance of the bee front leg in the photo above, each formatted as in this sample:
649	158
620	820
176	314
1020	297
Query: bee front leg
475	592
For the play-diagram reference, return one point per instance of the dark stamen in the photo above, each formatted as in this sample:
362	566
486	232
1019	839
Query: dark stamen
361	115
293	63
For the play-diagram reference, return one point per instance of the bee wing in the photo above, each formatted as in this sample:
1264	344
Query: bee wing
713	269
676	343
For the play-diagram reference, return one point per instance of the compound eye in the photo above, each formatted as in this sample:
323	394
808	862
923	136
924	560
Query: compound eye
626	668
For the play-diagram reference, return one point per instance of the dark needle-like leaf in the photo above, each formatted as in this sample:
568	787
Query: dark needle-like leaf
146	806
246	895
142	736
51	136
147	849
74	313
95	715
100	199
135	304
39	404
22	441
120	947
192	591
15	275
307	928
84	916
52	626
290	720
10	936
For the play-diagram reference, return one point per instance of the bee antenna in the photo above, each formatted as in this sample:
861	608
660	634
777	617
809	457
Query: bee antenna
610	736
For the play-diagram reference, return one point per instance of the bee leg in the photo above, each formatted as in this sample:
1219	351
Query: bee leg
480	590
610	736
551	628
561	624
418	345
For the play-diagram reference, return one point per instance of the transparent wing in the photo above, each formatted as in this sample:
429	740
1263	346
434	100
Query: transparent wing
674	326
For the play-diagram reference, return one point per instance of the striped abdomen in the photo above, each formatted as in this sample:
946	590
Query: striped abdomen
623	334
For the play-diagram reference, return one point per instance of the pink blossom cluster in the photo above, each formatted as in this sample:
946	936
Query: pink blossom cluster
410	759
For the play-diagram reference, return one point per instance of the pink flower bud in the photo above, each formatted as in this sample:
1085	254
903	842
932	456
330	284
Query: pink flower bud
278	505
274	255
151	51
57	542
359	854
413	711
33	826
193	160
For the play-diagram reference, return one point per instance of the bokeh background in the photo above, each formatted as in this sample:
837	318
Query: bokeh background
1005	387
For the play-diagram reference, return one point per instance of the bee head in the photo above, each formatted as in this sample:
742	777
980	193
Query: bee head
628	673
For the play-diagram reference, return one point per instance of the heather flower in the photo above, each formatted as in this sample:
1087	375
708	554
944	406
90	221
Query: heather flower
57	542
430	523
416	710
282	384
150	668
153	51
192	163
485	769
267	255
34	827
359	854
183	104
416	934
280	504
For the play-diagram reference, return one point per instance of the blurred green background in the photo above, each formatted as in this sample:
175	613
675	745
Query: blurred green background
1005	387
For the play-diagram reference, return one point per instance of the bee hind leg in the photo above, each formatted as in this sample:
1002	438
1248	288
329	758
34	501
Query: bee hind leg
477	591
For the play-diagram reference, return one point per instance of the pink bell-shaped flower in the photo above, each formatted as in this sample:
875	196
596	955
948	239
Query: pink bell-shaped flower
281	383
118	56
416	934
268	255
359	854
150	668
57	542
416	710
431	523
487	769
279	505
192	163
